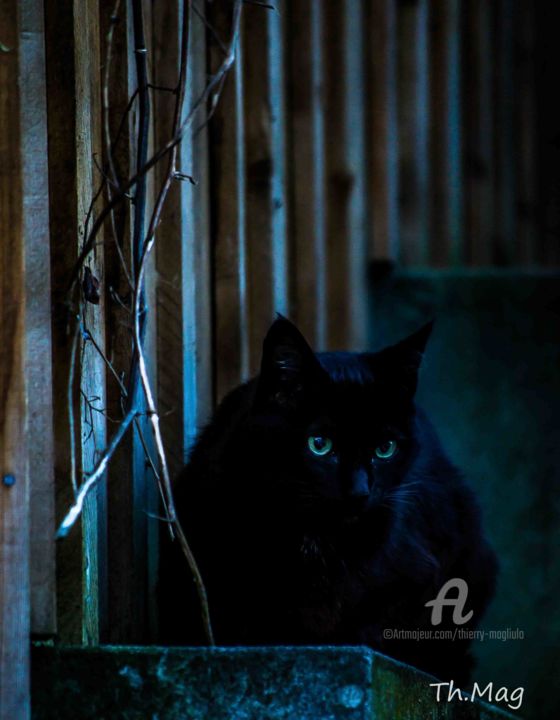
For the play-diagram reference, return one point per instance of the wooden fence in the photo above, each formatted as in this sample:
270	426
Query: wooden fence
346	133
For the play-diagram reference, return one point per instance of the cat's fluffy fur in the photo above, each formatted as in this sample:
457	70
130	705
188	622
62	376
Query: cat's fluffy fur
297	548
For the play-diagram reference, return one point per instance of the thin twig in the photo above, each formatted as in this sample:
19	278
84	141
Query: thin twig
71	419
151	407
142	247
209	91
74	513
124	392
112	175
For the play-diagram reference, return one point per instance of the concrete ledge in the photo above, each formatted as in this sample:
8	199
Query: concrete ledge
150	683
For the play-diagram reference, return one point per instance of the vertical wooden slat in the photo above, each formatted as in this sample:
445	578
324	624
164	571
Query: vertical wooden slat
307	168
504	250
345	175
146	500
14	492
413	113
478	107
227	168
267	249
183	266
382	131
129	476
122	586
196	285
529	234
88	144
38	320
169	244
446	211
73	100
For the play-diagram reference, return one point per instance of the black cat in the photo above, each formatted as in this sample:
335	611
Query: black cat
322	509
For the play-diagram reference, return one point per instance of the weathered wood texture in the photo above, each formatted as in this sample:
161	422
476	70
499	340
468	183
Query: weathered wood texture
382	130
74	123
306	115
126	477
227	199
504	251
265	147
535	244
170	234
195	251
346	210
478	148
14	489
413	115
38	364
445	158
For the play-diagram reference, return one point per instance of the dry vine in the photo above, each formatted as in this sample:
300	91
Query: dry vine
137	397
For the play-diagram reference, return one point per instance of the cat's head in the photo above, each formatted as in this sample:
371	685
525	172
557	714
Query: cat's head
342	424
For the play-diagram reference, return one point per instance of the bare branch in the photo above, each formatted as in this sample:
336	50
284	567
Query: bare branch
74	513
137	395
212	88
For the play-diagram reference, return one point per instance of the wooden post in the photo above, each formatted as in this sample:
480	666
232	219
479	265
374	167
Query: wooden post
266	211
16	184
446	211
38	364
382	131
307	168
346	214
413	113
74	120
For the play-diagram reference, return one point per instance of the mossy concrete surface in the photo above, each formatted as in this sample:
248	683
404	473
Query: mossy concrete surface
150	683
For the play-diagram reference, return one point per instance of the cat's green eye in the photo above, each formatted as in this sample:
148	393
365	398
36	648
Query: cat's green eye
319	445
387	450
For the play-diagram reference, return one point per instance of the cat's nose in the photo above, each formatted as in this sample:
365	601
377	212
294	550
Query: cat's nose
359	487
358	492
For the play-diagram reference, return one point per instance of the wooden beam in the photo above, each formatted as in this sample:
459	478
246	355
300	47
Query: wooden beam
382	129
346	210
266	211
446	197
307	168
413	114
14	489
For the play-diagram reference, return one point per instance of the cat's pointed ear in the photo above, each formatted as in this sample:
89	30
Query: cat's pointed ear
289	368
400	363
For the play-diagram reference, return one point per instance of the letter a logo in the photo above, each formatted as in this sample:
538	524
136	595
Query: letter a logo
458	603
